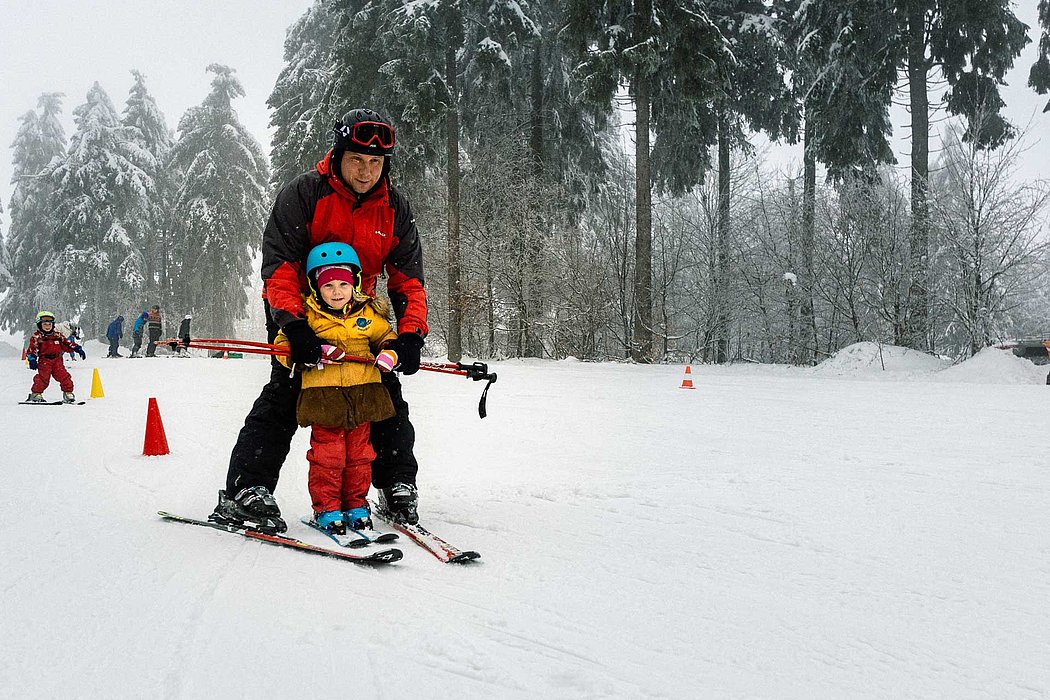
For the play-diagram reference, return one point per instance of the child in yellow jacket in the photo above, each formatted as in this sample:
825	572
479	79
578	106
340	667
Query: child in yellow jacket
340	398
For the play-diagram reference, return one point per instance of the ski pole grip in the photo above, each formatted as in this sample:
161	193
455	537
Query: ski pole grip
477	371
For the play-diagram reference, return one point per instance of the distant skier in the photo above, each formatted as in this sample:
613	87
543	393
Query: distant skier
114	332
136	333
45	356
72	333
340	400
184	336
153	328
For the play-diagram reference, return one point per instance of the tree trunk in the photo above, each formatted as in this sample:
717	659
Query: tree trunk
917	324
642	335
455	283
722	248
531	309
808	325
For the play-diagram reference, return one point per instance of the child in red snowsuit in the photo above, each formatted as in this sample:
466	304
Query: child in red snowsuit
45	356
341	399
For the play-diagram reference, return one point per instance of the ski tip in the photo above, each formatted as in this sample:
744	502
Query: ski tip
386	556
464	557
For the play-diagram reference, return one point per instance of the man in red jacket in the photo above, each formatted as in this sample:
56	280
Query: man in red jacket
348	198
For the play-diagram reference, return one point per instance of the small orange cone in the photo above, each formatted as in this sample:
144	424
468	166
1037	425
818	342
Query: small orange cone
96	386
687	383
156	442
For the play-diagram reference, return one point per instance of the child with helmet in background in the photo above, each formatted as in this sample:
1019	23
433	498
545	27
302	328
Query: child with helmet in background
45	356
341	399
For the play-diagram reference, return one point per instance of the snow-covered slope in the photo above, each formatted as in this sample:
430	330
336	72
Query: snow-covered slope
775	532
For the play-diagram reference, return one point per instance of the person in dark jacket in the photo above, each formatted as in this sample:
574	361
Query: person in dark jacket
348	198
136	333
114	332
184	336
153	329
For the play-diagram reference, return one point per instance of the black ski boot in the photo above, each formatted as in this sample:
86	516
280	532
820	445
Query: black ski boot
252	507
400	500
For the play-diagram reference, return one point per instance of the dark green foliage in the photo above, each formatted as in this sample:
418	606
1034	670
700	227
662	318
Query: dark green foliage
1039	76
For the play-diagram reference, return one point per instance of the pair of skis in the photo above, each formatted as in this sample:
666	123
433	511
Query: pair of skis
441	549
51	403
385	556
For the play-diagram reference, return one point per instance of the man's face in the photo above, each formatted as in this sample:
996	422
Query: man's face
362	171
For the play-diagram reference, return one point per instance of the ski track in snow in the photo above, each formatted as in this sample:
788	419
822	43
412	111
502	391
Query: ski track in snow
776	532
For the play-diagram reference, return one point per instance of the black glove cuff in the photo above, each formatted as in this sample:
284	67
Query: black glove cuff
410	338
305	345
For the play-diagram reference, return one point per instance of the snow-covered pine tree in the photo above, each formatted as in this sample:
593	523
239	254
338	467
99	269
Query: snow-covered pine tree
533	154
103	185
40	139
152	233
673	60
305	100
223	203
971	46
1039	75
433	45
844	98
6	279
755	97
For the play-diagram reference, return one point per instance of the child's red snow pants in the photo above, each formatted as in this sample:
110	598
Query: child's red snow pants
47	367
340	467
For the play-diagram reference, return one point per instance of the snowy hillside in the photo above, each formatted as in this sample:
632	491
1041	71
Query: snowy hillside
775	532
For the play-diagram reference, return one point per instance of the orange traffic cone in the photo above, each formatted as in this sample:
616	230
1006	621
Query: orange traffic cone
687	383
156	442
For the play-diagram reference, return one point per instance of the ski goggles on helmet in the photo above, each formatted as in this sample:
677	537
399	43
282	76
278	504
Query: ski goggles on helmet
368	133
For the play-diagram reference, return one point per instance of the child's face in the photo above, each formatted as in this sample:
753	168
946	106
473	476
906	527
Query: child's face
337	293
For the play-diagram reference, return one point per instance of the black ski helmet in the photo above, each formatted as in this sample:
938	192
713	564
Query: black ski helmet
364	131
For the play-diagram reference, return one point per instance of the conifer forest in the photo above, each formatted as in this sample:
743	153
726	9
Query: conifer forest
589	179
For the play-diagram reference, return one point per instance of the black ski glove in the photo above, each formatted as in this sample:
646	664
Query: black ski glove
306	346
407	347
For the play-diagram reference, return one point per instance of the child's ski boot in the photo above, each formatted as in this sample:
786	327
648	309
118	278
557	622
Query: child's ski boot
359	519
36	398
331	522
68	397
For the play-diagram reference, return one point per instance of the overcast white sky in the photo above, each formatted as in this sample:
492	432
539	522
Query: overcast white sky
66	45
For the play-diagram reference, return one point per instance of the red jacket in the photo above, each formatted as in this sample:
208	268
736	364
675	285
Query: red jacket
316	208
50	345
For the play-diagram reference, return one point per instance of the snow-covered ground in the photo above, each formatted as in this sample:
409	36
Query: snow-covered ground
844	531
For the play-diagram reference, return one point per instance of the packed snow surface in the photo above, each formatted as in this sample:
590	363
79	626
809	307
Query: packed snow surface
834	532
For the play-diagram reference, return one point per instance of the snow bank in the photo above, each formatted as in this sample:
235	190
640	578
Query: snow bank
871	359
994	366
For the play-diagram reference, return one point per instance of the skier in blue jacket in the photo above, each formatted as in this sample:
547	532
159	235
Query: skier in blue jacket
114	332
136	333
